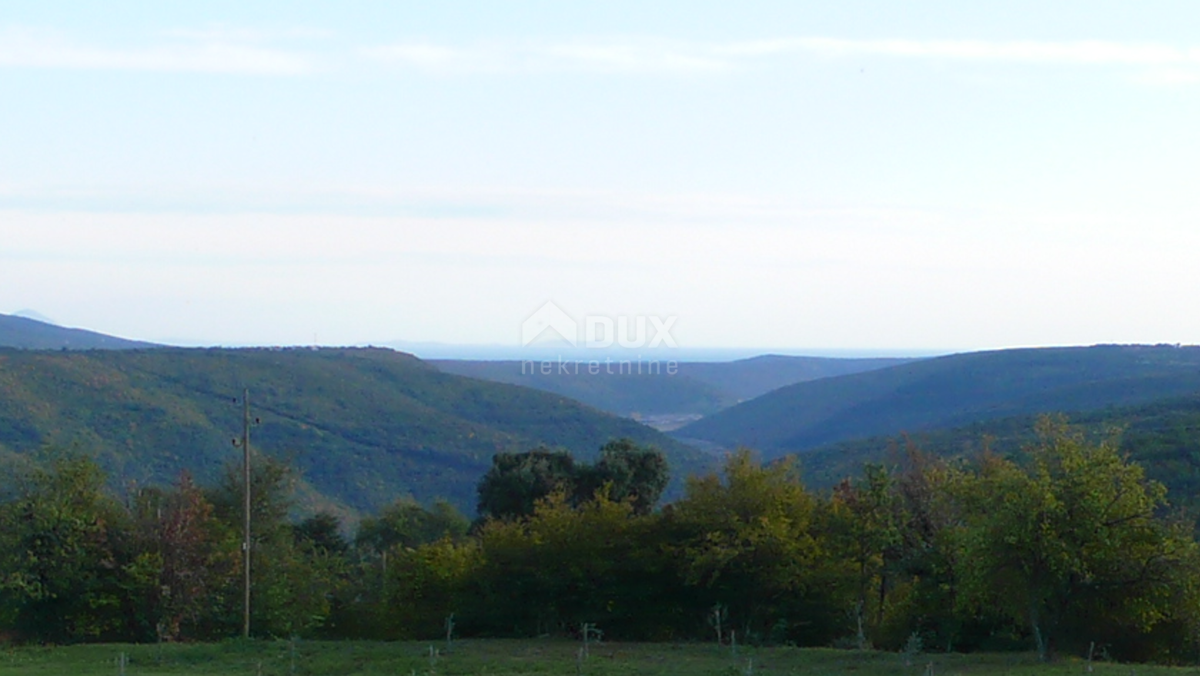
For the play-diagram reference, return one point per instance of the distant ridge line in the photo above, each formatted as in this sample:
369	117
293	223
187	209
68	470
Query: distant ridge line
25	333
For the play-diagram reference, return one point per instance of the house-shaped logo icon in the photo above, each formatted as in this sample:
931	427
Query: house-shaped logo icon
549	318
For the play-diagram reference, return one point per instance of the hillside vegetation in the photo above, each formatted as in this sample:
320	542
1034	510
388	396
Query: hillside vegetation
1162	436
363	426
1069	552
697	388
951	391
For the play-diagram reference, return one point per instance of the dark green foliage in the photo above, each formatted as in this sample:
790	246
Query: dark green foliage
322	532
1162	436
949	392
360	426
59	556
629	472
517	481
1069	546
272	485
406	524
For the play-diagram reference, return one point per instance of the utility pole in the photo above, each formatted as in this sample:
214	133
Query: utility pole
246	506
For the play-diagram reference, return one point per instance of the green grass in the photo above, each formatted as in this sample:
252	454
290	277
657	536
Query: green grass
512	658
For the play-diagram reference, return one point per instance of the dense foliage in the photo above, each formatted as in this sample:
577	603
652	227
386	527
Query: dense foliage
1068	549
1162	436
360	426
952	391
517	482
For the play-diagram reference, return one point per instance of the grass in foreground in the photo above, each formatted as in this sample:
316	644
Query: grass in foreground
518	658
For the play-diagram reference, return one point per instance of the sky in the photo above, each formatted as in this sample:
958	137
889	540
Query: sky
800	176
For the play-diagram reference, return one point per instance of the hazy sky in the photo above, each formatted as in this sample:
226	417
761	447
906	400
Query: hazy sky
769	174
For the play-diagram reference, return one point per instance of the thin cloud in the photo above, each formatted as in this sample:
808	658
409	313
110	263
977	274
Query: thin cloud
1088	52
223	33
22	48
650	55
598	56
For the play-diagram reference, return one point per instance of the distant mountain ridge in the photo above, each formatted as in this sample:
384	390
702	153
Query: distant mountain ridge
697	388
26	333
363	426
951	391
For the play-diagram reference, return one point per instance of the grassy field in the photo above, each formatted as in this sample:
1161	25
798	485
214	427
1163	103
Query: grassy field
512	658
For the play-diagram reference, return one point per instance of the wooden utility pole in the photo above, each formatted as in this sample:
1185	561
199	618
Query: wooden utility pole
246	506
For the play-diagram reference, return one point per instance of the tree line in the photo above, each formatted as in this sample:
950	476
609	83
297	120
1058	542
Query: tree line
1069	550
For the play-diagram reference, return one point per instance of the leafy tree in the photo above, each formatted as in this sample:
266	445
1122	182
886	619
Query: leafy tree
867	524
181	560
516	481
428	584
58	564
293	585
562	566
746	540
1071	546
322	532
406	524
630	472
923	598
271	484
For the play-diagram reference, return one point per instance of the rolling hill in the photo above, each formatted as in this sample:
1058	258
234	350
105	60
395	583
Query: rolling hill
951	391
363	426
30	334
1163	436
695	388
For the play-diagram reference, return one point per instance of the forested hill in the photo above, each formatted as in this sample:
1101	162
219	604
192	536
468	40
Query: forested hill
693	388
31	334
363	426
1162	436
952	391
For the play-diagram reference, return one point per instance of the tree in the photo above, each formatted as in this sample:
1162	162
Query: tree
867	521
426	586
562	566
323	532
1071	546
406	524
516	481
746	540
923	597
630	472
180	560
58	562
293	585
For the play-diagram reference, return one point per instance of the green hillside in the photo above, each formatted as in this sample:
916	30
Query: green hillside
364	426
951	391
696	388
1163	436
30	334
